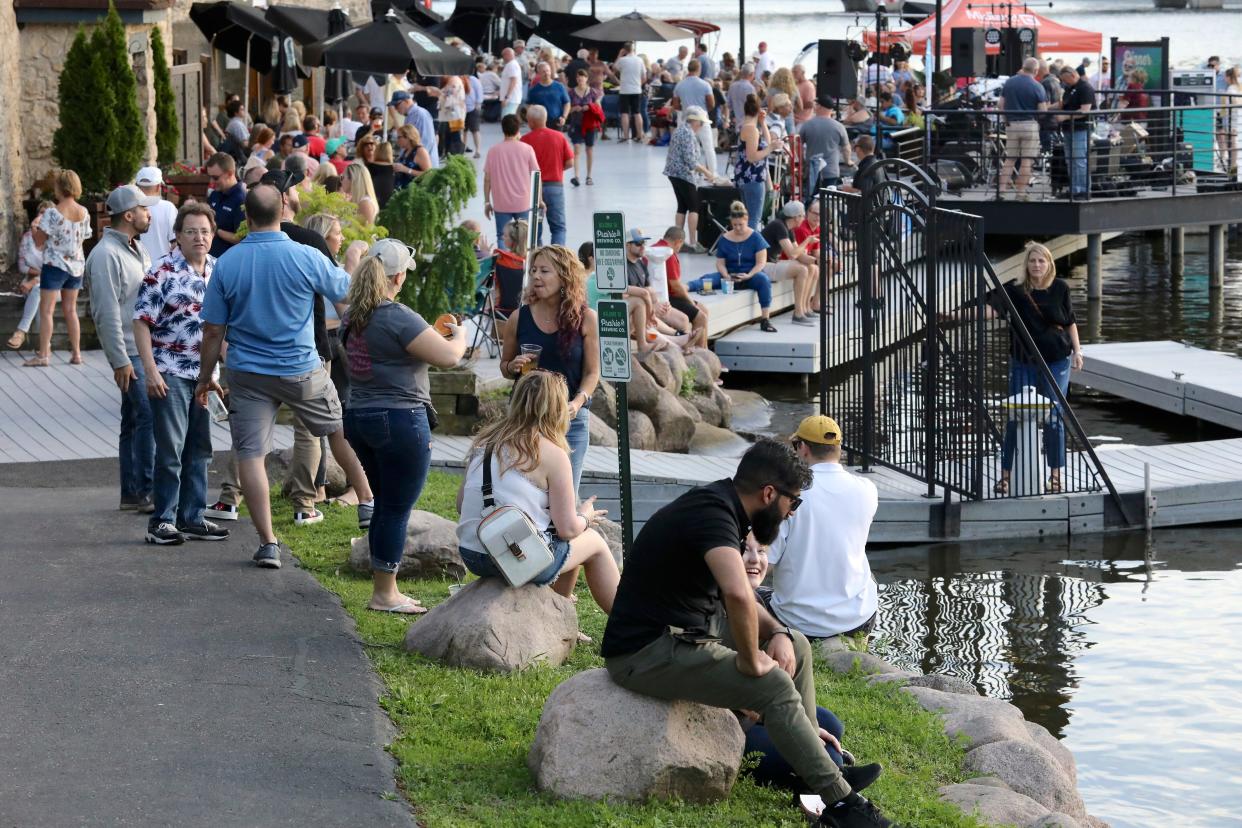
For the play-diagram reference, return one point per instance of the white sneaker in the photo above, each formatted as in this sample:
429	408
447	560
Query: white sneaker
307	518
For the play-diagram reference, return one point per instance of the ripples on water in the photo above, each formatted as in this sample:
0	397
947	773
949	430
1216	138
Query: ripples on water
1129	654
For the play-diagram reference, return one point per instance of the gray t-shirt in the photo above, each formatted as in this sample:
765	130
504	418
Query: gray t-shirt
825	136
382	374
738	90
693	91
636	273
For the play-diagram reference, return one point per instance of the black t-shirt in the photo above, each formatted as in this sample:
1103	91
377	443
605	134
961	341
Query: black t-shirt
383	179
666	581
1046	314
863	170
425	100
312	239
1077	96
775	231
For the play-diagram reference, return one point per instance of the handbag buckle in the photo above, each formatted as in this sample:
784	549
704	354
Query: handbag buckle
517	551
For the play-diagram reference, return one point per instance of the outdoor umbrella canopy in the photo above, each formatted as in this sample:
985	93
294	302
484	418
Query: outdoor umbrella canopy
421	14
389	45
633	26
238	31
1053	36
304	24
559	29
487	25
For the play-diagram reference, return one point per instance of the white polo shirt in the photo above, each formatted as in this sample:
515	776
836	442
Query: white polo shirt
821	580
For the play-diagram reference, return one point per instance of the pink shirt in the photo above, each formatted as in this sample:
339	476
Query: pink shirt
508	166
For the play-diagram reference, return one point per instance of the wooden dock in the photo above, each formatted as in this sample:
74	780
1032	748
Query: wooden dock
1167	375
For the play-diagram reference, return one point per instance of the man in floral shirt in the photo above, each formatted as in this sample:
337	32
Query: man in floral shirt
169	334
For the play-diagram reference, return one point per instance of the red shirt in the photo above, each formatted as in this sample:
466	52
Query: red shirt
340	164
552	151
316	145
802	232
672	266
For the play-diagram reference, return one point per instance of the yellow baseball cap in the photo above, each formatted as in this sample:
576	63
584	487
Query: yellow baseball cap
819	429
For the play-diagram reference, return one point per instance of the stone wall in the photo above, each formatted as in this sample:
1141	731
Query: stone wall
13	171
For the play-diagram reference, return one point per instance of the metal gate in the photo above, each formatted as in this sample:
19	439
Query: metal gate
922	350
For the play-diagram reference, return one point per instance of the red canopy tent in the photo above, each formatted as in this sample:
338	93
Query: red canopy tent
1053	36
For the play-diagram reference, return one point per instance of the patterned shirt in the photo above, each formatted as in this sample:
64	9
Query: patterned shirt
170	300
684	154
64	241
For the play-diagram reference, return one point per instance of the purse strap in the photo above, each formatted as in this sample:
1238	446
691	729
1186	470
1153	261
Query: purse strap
489	502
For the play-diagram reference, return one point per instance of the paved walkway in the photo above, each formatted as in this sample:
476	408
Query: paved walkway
174	686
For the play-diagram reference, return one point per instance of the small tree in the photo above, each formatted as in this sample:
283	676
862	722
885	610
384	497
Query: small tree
167	130
82	143
128	145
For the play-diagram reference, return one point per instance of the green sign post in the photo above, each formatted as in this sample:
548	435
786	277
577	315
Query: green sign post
614	361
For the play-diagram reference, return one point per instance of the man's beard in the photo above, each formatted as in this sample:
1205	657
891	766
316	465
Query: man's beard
766	523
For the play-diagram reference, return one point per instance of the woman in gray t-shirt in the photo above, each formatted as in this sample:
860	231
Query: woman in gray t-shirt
388	348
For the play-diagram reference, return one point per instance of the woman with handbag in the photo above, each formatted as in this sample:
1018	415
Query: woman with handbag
1044	305
388	348
554	329
528	469
584	124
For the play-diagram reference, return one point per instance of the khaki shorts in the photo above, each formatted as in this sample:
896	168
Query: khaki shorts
780	270
254	398
1022	140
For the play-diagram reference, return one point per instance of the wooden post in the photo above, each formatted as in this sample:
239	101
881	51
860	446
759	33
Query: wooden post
1177	250
1216	256
1095	249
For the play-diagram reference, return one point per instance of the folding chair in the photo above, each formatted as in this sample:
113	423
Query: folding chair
485	312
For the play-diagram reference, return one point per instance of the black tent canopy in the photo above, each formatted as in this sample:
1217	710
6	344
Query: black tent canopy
490	25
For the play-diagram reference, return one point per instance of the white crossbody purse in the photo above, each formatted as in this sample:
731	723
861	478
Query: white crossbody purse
508	536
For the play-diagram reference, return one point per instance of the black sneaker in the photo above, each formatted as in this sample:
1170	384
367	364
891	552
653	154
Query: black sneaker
860	776
146	506
853	812
268	556
130	504
208	531
164	534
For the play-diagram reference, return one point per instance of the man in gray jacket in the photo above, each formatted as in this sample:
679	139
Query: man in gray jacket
114	271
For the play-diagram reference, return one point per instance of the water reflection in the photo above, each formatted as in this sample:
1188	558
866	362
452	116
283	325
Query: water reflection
1126	650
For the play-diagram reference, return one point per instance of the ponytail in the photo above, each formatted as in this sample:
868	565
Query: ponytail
368	289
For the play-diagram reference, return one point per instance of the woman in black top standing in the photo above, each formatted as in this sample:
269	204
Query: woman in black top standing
555	317
382	173
1044	305
413	160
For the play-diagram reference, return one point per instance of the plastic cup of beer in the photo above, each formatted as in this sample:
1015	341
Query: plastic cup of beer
533	351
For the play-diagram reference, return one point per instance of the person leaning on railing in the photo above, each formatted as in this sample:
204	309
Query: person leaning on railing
1043	304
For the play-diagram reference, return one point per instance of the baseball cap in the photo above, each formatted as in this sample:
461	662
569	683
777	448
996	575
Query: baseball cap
334	145
819	429
127	197
393	254
637	237
300	140
399	96
376	112
826	101
149	177
793	209
283	180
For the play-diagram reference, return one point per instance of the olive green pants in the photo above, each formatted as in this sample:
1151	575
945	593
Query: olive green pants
671	668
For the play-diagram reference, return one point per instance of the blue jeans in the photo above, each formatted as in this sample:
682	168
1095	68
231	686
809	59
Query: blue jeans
30	310
759	283
772	769
579	439
1080	180
753	195
554	197
136	445
182	454
502	220
394	447
1022	374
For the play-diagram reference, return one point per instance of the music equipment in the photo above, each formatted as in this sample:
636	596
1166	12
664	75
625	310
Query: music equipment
1016	46
969	52
838	75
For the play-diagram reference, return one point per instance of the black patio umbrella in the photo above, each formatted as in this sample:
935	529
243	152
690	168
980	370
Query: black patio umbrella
416	10
390	45
490	25
238	31
304	24
634	26
559	29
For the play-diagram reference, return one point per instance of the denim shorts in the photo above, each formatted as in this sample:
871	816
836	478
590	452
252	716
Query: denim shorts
481	563
53	278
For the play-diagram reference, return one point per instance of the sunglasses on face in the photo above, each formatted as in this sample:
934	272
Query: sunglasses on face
794	500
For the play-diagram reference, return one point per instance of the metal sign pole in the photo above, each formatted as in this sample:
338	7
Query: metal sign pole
614	347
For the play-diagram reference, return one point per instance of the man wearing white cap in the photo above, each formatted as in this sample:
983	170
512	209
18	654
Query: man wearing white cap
158	238
114	271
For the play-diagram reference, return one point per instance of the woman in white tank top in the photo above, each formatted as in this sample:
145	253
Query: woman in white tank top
531	470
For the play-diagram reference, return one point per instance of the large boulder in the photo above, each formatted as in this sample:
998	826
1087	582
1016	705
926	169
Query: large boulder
994	806
843	661
604	404
708	407
984	730
642	432
1056	821
611	530
956	703
1040	736
490	626
642	387
689	408
597	740
673	427
659	371
676	365
751	411
1029	770
430	549
725	404
713	441
706	367
601	434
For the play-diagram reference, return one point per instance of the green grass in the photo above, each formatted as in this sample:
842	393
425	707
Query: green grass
464	735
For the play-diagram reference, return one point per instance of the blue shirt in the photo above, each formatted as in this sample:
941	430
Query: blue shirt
1023	95
739	257
420	119
263	289
228	205
552	97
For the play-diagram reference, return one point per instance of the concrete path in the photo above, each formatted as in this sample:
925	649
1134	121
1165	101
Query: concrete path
172	686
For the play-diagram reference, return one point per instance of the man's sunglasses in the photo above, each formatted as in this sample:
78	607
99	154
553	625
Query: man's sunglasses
794	500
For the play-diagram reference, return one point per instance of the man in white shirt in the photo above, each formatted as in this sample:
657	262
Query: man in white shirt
510	84
821	581
350	126
676	66
633	75
765	63
158	238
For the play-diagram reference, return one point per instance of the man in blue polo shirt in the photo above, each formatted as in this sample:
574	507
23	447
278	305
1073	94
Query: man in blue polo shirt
226	197
262	294
420	119
1022	98
551	95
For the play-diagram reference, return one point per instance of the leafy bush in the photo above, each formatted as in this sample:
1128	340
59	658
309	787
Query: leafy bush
79	146
353	228
127	145
167	130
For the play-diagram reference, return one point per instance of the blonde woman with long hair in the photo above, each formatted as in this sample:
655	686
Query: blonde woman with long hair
356	184
554	317
530	469
1044	305
389	348
782	80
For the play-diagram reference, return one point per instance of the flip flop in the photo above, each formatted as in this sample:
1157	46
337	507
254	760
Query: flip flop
77	360
37	362
410	607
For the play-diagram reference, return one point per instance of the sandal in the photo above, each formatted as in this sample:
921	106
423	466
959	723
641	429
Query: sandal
17	340
1001	487
767	327
75	359
37	362
408	607
590	181
1054	485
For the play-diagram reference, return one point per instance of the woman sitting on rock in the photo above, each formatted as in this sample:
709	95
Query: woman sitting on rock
530	470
